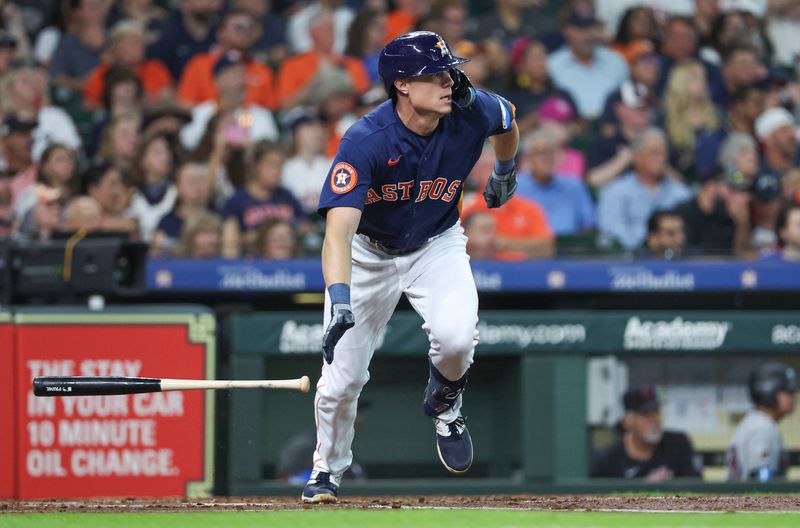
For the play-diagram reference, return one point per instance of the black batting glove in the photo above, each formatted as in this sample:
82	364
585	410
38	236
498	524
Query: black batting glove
463	92
500	188
341	320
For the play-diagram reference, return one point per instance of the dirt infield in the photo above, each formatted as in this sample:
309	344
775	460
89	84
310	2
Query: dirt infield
698	503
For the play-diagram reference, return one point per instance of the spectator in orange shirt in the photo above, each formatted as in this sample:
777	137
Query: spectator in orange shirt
522	228
127	48
405	17
301	74
236	34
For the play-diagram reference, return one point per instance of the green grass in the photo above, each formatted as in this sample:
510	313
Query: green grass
399	518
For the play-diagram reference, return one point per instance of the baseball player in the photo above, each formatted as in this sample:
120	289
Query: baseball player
756	451
391	208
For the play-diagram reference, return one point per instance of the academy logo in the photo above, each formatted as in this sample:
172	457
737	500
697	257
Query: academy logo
677	334
343	178
786	335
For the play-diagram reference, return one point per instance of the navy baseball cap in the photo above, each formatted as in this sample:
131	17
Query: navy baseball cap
300	115
231	58
14	123
7	40
582	18
641	399
767	187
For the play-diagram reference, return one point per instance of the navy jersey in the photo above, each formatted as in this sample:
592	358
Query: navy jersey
251	212
406	185
171	224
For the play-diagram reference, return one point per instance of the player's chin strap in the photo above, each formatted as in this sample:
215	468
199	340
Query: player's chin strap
441	394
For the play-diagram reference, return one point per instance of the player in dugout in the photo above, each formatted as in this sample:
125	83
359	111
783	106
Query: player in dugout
391	205
646	450
756	451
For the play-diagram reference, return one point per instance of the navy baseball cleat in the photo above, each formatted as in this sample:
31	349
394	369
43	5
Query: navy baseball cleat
454	444
322	487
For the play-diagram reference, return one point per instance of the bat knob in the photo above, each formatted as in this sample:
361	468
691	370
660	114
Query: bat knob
305	384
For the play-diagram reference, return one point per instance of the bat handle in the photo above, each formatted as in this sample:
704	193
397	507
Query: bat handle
93	386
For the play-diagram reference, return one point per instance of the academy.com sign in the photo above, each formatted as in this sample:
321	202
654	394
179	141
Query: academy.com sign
676	334
524	336
306	337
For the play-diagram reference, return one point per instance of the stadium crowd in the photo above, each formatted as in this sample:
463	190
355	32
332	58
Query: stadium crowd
206	128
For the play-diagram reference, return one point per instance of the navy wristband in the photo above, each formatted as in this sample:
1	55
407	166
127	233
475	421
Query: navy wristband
504	167
340	293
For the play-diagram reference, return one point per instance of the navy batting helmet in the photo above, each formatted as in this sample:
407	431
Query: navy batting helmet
413	55
769	379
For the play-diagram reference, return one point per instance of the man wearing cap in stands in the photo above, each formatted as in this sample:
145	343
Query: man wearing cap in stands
646	450
585	69
776	131
632	112
235	36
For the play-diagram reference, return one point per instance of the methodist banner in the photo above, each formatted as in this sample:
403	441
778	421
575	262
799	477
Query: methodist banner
490	276
7	439
519	332
155	444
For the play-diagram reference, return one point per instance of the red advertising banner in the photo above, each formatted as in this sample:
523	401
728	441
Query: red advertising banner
139	445
7	439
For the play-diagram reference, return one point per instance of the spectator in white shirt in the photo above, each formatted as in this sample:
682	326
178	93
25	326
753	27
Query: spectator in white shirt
305	171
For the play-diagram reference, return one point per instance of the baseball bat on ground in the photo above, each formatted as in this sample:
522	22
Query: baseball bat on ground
107	385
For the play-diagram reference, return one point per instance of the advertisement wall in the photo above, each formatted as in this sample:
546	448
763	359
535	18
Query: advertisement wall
7	439
152	444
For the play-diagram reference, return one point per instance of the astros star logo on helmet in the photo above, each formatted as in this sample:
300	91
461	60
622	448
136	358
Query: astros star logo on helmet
442	45
343	178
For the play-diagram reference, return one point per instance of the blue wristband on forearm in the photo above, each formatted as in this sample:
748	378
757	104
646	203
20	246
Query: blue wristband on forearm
504	167
340	293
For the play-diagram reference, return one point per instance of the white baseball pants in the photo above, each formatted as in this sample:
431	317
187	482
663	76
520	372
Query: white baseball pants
438	282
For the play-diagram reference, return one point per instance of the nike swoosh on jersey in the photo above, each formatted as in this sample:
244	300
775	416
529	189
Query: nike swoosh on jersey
393	162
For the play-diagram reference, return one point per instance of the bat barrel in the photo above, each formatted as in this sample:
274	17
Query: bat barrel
93	386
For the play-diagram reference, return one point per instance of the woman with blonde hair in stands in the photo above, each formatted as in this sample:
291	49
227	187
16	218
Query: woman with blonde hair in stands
201	236
688	110
120	141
